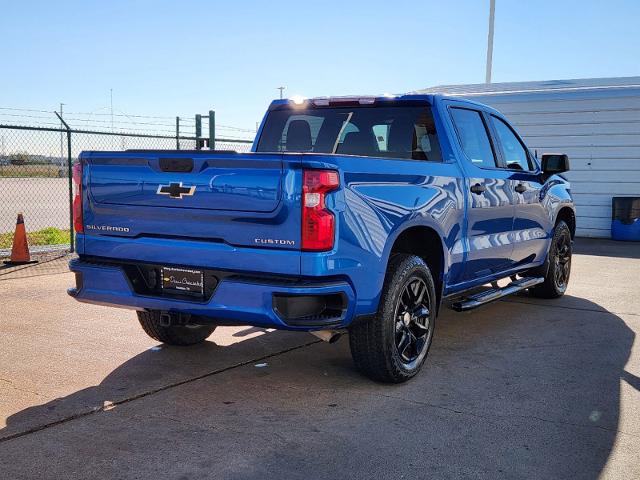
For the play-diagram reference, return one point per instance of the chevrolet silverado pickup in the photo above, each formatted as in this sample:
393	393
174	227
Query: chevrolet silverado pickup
358	215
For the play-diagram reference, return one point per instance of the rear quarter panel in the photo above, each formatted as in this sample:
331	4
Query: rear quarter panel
379	200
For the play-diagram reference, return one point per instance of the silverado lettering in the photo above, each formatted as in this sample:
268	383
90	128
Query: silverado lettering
107	228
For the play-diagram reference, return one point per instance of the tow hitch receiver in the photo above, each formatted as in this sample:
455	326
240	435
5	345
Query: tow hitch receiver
168	319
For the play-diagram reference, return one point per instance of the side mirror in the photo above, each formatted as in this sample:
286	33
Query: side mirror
553	163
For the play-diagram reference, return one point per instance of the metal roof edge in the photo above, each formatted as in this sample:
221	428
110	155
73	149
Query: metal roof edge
503	88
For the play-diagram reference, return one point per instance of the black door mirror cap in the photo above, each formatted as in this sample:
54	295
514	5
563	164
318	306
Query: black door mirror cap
555	163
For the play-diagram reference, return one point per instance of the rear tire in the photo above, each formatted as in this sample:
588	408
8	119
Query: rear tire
393	345
557	267
182	335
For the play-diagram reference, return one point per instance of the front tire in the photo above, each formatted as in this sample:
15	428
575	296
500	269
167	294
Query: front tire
182	335
557	267
393	345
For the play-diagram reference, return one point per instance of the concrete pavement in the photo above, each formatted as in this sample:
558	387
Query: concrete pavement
519	388
44	202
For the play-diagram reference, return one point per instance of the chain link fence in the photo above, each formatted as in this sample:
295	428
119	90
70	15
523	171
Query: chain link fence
35	179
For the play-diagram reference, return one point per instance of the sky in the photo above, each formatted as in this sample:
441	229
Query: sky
168	58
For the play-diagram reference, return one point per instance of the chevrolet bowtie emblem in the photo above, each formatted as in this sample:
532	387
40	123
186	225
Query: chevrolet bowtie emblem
175	190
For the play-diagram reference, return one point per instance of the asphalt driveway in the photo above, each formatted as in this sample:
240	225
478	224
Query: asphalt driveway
520	388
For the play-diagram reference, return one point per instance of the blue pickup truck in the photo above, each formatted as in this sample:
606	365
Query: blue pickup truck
350	214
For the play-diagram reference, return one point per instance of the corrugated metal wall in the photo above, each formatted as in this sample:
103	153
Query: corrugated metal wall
597	125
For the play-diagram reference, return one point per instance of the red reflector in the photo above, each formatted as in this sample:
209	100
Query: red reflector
318	222
77	199
318	181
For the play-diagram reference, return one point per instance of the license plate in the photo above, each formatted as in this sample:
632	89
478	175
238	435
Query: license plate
183	281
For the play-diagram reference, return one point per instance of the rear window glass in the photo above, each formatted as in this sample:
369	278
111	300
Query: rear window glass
406	132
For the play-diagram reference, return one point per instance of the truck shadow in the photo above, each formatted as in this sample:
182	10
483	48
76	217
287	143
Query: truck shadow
515	390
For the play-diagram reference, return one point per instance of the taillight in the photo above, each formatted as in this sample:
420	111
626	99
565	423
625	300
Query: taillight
318	223
77	199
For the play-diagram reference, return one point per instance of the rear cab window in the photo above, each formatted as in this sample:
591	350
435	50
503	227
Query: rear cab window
403	132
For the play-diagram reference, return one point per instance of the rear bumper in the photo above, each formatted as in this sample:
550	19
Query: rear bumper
235	300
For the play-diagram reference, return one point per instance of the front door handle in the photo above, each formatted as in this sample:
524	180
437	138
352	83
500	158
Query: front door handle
478	189
521	188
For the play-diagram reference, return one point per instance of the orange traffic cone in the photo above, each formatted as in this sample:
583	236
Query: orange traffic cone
20	251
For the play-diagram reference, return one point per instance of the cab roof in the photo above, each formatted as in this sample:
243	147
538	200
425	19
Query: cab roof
370	100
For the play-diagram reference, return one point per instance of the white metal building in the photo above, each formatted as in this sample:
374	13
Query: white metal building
595	121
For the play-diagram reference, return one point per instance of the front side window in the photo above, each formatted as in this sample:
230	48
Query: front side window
514	153
405	132
473	136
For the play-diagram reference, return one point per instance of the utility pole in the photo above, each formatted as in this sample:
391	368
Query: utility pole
281	90
492	14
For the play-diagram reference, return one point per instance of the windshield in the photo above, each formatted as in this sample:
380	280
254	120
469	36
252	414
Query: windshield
396	132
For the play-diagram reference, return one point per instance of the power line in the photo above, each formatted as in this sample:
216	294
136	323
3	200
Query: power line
85	118
116	122
186	117
118	126
124	115
25	110
21	115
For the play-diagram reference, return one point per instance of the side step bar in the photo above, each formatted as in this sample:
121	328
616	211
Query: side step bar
495	293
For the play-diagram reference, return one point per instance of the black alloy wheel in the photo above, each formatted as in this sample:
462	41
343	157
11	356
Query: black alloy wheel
557	267
562	261
413	328
392	345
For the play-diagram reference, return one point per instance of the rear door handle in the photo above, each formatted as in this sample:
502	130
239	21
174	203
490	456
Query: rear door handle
521	188
478	189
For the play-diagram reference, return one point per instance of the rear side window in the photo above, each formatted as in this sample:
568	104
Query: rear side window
514	153
473	136
405	132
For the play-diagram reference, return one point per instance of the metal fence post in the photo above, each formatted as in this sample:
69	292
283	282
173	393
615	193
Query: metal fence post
212	130
70	177
198	130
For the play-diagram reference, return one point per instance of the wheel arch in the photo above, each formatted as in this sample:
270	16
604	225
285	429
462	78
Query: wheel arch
425	242
567	215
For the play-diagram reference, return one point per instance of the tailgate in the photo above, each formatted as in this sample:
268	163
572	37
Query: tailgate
231	182
244	199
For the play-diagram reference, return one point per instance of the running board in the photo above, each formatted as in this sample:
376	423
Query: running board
486	296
